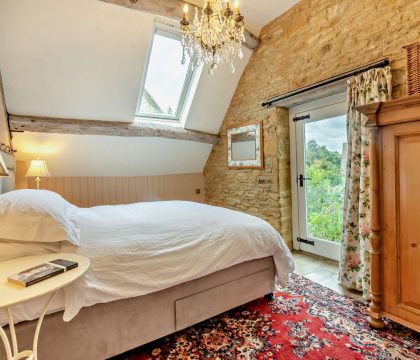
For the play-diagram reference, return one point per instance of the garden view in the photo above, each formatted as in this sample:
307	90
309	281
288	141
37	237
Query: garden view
325	189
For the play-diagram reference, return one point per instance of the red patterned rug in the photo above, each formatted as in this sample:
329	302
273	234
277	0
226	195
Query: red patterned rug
305	321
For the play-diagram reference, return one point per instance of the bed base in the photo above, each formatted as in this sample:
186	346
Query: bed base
105	330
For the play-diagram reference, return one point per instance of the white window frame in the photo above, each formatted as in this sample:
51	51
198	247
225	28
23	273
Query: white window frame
173	31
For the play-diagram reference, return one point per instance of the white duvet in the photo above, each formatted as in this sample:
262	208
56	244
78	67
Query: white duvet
146	247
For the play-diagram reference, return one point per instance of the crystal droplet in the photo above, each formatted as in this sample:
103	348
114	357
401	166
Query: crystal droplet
240	54
213	67
184	59
196	22
232	68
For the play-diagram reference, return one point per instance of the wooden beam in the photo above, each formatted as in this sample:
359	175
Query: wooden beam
173	9
110	128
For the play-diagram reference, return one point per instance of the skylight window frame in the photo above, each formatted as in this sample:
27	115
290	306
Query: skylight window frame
170	30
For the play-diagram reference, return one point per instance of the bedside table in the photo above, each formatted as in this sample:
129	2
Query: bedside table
11	294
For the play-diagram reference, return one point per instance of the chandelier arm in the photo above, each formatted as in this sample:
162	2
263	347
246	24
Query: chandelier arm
216	36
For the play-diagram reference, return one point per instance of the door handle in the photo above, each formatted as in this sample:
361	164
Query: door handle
301	179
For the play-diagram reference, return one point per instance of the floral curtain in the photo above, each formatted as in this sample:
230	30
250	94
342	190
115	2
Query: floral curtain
372	86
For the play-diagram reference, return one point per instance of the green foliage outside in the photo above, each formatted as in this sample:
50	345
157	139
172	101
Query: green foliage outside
325	192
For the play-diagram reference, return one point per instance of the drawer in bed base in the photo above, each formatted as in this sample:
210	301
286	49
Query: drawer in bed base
208	303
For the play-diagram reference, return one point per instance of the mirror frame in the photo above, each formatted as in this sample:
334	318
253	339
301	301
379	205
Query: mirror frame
258	163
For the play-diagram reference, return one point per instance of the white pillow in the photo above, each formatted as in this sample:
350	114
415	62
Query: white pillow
38	215
13	249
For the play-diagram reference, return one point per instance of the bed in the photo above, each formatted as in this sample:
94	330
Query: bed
156	268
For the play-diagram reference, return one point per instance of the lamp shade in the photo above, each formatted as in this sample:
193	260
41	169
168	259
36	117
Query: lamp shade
3	168
38	168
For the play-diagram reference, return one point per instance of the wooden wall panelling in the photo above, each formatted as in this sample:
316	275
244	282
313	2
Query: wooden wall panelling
21	169
93	191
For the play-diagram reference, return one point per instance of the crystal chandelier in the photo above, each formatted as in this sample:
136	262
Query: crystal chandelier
214	38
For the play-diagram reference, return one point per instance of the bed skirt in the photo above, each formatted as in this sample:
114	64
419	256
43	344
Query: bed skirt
105	330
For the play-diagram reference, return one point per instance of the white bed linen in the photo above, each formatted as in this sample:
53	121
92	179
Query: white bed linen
146	247
31	310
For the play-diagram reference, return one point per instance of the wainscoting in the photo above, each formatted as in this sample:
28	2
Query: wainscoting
94	191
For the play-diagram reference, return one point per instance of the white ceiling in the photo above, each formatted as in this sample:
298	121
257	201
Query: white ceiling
259	13
85	59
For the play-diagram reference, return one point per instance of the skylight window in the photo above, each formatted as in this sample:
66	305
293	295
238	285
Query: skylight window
166	82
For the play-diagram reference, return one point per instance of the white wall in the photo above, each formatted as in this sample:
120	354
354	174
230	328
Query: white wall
4	129
79	155
213	96
85	59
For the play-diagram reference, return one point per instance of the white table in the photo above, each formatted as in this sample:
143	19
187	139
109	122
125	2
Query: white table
11	294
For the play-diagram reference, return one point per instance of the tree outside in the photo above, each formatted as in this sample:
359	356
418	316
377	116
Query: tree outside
325	192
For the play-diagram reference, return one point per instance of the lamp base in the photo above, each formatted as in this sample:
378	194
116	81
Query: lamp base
37	181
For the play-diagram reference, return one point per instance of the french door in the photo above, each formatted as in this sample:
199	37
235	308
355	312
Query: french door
318	164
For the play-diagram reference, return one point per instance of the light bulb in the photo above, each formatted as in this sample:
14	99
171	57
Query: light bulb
186	9
238	12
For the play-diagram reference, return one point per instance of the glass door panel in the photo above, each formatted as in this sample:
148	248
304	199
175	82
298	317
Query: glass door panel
325	162
320	155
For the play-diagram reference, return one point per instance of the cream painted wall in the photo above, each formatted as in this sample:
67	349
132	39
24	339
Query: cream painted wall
85	59
79	155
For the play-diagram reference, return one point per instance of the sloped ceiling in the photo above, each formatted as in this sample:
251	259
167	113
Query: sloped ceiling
259	13
85	59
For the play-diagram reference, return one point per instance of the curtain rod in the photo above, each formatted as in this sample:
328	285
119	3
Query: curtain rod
381	63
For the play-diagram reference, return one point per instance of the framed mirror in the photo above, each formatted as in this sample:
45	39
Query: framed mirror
245	146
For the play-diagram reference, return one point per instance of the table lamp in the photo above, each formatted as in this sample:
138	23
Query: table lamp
37	169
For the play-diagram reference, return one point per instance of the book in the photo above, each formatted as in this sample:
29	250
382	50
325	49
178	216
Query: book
42	272
66	264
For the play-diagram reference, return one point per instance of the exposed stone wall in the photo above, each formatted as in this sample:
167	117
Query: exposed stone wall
314	40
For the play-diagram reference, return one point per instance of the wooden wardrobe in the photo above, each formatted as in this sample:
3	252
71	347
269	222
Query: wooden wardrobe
394	128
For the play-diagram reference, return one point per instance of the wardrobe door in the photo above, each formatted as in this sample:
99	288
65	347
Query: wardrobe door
401	220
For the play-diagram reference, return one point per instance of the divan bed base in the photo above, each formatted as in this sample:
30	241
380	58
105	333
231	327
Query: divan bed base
105	330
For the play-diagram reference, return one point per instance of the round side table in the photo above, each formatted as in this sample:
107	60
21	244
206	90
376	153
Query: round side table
11	294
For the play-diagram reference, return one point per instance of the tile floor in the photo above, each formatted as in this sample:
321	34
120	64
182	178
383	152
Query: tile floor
322	271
